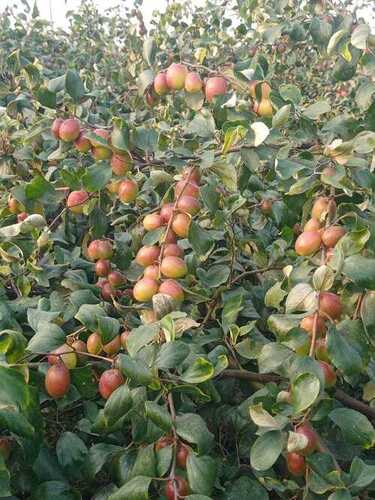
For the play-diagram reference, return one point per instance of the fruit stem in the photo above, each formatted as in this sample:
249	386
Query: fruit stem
314	330
172	474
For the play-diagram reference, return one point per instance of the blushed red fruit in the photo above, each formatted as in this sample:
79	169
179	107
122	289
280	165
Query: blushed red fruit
173	289
22	216
307	324
13	206
115	279
82	144
166	212
329	374
5	447
330	305
101	153
76	201
312	438
173	249
147	255
190	188
102	267
124	339
160	84
182	455
193	82
189	205
312	225
69	359
163	442
296	464
181	224
145	289
215	86
109	381
57	381
169	237
69	130
320	207
94	343
120	164
176	76
55	128
173	267
321	351
152	221
80	346
179	484
113	347
193	174
308	243
332	235
100	249
151	272
266	207
107	292
128	191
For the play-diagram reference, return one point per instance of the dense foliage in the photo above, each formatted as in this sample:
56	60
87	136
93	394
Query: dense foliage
187	244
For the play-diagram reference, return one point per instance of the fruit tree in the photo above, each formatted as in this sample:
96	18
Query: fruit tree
187	244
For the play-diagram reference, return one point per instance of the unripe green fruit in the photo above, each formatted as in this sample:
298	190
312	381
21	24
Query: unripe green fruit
145	289
173	267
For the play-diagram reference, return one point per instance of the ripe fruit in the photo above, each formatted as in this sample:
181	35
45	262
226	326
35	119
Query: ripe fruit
308	323
101	153
69	359
94	343
173	249
113	346
215	86
80	346
190	188
120	164
145	289
265	89
193	82
102	267
266	207
330	305
5	447
193	174
308	242
320	208
76	201
166	212
189	205
182	455
329	374
69	130
13	206
312	438
124	339
107	292
151	272
181	224
55	128
296	464
109	381
128	191
57	381
332	235
312	225
82	144
175	76
173	267
160	84
163	442
100	249
173	289
22	216
179	484
152	221
169	237
147	255
263	108
116	279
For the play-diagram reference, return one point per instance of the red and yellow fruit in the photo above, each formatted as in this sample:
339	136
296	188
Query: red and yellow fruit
128	191
57	381
173	267
147	255
308	243
69	130
145	289
173	289
76	201
109	381
176	76
214	87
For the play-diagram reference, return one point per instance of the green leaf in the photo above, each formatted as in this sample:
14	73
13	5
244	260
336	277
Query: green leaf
54	490
361	474
108	328
364	95
281	117
245	487
16	422
145	463
266	450
135	370
159	415
135	489
227	173
315	110
360	36
202	125
193	429
274	357
149	51
214	276
71	450
233	302
304	391
275	295
356	428
74	85
99	454
171	355
261	132
12	344
342	354
302	297
144	80
39	189
200	240
97	176
199	371
201	472
335	39
118	404
340	495
48	337
361	270
141	336
290	92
